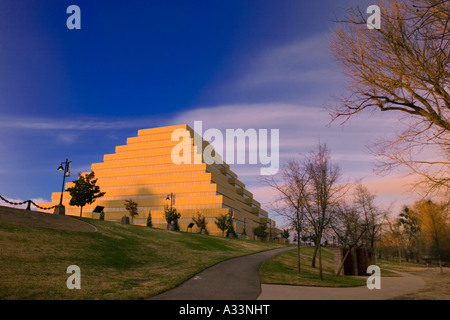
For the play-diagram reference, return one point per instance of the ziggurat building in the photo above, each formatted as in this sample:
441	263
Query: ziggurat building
143	171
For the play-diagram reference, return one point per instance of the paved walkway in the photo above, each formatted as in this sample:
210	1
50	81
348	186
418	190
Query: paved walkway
390	287
234	279
238	279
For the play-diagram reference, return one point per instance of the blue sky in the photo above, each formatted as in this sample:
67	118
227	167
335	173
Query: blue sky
140	64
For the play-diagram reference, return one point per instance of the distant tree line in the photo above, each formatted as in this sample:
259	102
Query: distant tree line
418	233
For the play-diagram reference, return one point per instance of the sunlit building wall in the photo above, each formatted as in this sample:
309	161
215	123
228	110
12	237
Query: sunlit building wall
143	171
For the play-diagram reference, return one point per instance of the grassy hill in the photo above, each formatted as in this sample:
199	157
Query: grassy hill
116	261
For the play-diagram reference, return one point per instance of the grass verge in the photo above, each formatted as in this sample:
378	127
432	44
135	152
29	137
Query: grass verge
282	269
117	262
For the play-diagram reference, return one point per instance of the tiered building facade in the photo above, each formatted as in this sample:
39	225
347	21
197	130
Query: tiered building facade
143	170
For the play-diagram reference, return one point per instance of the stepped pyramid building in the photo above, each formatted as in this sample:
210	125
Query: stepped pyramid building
143	170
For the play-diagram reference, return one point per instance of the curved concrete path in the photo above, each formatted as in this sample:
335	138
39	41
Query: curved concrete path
234	279
238	279
390	287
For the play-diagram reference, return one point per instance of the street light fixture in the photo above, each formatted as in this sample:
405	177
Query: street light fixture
171	198
64	166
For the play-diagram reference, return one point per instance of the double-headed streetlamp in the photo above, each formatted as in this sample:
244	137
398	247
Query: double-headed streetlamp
64	166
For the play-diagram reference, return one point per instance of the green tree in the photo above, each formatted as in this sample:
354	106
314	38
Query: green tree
285	235
172	217
409	221
132	208
149	219
85	191
260	231
221	223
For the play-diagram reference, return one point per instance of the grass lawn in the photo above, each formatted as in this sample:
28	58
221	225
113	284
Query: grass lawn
282	269
117	262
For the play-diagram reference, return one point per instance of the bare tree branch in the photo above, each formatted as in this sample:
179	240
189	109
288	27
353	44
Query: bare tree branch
404	68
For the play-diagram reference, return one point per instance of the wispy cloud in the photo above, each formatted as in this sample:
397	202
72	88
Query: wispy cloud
78	123
301	127
67	137
302	61
300	71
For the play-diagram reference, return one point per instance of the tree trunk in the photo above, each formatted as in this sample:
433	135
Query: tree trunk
298	251
439	254
399	254
374	255
81	211
313	264
355	262
374	251
298	241
320	263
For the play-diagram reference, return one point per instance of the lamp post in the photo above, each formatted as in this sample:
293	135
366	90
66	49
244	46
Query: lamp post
65	167
170	197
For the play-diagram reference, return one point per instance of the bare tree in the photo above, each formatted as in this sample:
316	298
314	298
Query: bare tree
402	67
393	235
323	193
349	228
357	222
290	203
308	193
372	215
200	222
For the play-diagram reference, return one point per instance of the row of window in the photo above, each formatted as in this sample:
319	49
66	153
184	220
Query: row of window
110	158
144	154
185	175
179	208
162	174
157	185
157	167
145	145
162	196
